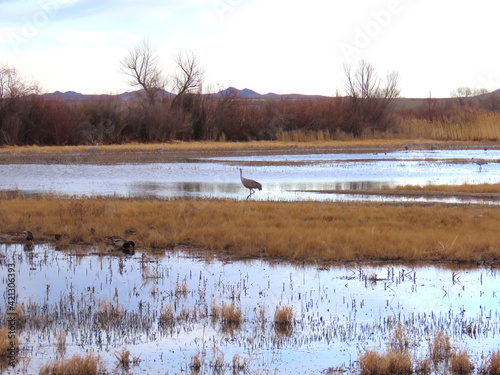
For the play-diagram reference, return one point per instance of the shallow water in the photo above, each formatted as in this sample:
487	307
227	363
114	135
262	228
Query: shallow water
339	311
281	175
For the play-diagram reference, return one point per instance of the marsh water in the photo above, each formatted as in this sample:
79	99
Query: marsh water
165	308
107	302
283	177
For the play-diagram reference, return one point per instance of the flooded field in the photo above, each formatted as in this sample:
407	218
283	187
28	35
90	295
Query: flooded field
283	177
177	312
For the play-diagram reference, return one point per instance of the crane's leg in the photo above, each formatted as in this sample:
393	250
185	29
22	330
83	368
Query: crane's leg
251	192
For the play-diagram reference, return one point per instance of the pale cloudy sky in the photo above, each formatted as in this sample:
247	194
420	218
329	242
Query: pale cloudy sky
281	46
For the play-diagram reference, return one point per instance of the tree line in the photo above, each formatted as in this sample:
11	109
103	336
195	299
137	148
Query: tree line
366	106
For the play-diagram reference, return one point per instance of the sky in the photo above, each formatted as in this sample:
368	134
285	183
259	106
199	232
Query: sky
280	46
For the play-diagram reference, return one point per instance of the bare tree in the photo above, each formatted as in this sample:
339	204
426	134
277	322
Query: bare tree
465	95
189	78
369	97
12	85
141	65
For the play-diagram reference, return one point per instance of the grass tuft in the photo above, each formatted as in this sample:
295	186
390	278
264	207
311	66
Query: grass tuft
89	364
460	363
283	320
491	364
373	363
440	348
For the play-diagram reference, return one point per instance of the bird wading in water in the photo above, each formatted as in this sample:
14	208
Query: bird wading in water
249	184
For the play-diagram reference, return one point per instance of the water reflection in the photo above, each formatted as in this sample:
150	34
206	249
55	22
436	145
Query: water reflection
110	301
282	176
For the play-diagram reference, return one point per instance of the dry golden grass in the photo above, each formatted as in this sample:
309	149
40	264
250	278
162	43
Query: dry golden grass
464	188
283	320
230	314
491	364
373	363
283	315
5	343
312	231
460	363
89	364
61	343
484	127
166	318
440	348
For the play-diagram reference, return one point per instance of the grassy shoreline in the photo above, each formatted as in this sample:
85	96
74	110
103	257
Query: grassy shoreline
306	231
188	151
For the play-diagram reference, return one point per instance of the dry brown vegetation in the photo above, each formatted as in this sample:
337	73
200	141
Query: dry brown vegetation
392	362
465	188
5	344
460	363
491	364
89	364
310	231
397	359
440	347
476	126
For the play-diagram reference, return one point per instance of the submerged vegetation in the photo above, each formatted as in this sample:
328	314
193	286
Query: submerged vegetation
310	231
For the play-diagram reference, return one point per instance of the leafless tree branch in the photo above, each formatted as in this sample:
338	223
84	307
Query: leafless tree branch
141	65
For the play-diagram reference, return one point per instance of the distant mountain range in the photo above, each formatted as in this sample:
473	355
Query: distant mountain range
246	93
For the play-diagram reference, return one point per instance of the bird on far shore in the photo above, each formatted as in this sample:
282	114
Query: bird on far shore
29	240
126	246
94	147
29	235
480	162
161	148
249	184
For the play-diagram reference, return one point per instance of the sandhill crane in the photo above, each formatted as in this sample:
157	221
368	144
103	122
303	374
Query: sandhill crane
92	149
161	148
249	184
480	162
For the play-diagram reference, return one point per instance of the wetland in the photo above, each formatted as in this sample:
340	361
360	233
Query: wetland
336	257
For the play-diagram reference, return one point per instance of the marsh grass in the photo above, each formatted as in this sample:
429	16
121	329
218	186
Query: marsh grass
440	348
374	363
490	365
283	320
230	314
5	344
195	364
399	340
239	363
61	343
460	363
89	364
464	188
311	231
125	359
108	314
166	318
485	126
